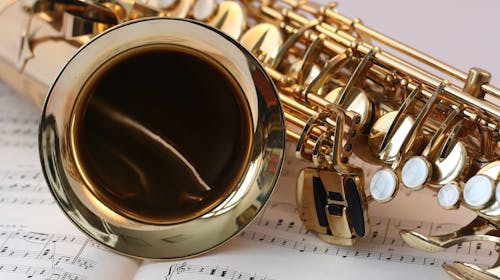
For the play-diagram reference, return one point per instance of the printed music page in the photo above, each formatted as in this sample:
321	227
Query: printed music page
276	245
36	240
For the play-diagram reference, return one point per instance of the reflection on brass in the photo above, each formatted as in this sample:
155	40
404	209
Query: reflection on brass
160	168
163	138
332	202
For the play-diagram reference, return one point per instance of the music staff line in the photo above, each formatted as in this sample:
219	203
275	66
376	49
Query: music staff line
381	226
226	273
304	247
26	201
22	180
17	144
12	248
34	271
18	129
55	259
385	231
20	173
23	188
42	238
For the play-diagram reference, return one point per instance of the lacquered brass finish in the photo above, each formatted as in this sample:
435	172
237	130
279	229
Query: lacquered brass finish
475	79
200	111
175	202
332	202
446	157
147	175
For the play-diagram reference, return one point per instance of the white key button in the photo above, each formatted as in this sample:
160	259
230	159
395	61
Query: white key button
203	10
415	172
383	185
448	196
478	191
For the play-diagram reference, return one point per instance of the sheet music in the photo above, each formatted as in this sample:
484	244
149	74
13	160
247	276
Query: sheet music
277	246
36	240
18	124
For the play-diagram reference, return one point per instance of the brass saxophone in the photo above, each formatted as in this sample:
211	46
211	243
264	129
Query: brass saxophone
163	134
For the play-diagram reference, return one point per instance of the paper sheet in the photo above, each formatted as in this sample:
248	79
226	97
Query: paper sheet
36	239
277	246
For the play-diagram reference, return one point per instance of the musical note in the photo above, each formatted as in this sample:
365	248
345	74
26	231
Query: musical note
18	130
26	201
24	186
32	272
175	271
387	246
22	181
389	227
51	255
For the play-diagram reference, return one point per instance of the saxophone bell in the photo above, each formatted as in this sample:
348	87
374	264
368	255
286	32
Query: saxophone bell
169	162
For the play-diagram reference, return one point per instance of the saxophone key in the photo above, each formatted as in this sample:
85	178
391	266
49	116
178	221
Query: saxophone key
383	185
205	10
479	191
449	196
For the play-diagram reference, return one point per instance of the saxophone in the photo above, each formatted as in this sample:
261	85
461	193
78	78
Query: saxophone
163	135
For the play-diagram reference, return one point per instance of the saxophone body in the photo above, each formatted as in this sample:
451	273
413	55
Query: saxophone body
163	134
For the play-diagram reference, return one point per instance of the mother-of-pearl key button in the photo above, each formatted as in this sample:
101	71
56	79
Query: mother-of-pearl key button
415	172
204	10
478	191
448	196
383	185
